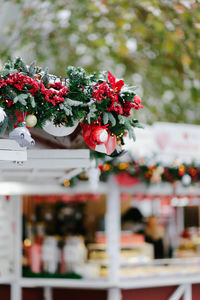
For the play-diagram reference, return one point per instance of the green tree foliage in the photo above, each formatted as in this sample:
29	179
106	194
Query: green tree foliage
154	44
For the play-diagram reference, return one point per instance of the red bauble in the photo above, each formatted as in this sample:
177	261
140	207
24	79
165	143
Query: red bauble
99	135
99	138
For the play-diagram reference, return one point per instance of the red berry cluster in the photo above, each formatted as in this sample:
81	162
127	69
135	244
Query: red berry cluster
54	94
111	92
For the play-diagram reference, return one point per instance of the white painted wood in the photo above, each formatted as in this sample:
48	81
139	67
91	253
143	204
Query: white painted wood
58	153
178	293
7	144
48	164
11	151
159	281
34	173
70	174
113	230
17	188
188	292
114	294
8	155
16	291
48	293
6	280
65	283
180	220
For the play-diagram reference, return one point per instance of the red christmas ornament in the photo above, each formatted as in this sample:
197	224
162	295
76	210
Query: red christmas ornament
20	117
99	138
99	135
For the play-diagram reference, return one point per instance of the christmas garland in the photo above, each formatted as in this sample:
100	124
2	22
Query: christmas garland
149	174
30	97
130	173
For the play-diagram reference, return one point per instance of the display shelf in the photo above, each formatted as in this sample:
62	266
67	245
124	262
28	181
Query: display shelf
6	279
66	283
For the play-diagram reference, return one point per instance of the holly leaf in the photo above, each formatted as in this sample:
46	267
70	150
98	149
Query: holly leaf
45	78
122	119
24	67
105	118
73	102
32	100
21	98
67	109
131	133
4	72
112	119
12	71
127	89
91	113
136	124
32	69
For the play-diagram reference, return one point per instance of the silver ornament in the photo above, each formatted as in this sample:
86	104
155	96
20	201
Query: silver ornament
22	135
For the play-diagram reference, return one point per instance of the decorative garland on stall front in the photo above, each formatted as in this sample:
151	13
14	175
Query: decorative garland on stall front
131	173
141	172
31	97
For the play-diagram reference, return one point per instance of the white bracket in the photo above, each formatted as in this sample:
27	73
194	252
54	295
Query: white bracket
184	290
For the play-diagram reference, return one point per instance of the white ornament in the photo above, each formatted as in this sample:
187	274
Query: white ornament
103	136
61	130
2	115
186	179
31	120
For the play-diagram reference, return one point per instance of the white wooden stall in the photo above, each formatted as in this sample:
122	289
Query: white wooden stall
20	176
113	284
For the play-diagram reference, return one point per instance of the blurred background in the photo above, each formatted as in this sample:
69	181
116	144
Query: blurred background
152	44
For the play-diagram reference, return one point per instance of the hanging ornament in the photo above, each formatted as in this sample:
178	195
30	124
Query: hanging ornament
2	115
99	138
100	135
186	180
31	120
58	130
22	135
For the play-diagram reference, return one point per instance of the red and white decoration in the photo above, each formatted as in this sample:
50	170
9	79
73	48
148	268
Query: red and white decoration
99	138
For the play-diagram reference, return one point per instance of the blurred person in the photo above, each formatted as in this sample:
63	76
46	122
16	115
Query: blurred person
156	235
133	220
